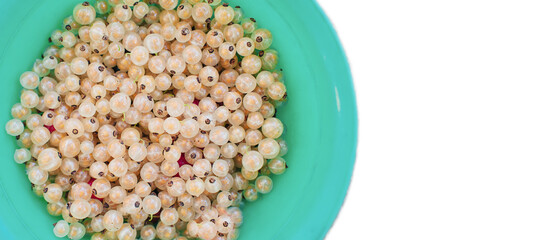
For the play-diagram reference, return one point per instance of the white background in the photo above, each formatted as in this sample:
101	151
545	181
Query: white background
453	100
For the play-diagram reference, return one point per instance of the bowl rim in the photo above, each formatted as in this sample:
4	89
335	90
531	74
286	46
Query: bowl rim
350	116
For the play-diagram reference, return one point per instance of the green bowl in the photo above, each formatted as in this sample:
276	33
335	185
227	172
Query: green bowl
320	118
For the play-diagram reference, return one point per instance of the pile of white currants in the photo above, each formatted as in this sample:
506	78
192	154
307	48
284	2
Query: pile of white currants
152	119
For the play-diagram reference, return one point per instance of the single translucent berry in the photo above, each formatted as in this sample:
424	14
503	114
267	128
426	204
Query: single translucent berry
61	228
250	193
263	38
252	161
224	14
277	165
14	127
84	13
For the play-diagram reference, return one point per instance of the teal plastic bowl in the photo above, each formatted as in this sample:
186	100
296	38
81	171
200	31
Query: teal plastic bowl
320	118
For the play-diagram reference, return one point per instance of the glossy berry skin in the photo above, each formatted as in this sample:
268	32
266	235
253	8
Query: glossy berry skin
14	127
263	38
76	231
84	13
269	59
277	165
264	184
252	161
250	193
61	229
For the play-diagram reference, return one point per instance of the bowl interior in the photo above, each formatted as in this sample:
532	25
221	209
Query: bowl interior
320	119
